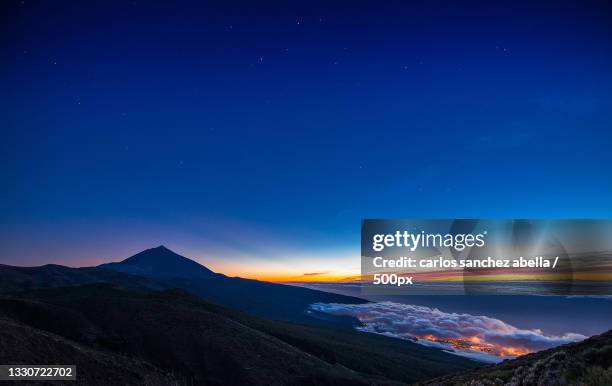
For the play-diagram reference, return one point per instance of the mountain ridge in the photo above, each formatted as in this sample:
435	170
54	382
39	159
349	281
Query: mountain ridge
160	268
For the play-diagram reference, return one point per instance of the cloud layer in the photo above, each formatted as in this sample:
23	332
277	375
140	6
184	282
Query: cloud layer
480	337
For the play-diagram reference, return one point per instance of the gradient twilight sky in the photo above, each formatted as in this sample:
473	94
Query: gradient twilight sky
255	136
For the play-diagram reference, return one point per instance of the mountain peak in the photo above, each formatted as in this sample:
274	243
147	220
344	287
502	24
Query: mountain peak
162	263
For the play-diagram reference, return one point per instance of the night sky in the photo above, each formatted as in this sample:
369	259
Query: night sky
255	137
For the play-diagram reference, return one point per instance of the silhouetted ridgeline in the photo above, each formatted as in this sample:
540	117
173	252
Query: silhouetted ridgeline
159	268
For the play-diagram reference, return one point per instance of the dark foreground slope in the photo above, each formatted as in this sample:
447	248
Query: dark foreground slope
363	352
586	363
24	345
207	344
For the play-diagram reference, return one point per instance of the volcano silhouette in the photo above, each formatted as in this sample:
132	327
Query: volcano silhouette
161	263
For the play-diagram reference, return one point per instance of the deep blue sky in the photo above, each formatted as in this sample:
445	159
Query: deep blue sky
243	132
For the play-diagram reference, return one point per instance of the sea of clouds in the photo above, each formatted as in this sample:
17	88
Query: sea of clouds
410	321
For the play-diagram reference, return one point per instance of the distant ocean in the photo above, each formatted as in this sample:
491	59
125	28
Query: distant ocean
554	314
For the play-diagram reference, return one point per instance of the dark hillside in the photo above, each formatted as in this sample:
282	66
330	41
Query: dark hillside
182	334
584	363
22	344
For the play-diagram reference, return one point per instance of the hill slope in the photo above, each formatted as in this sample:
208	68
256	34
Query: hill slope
22	344
584	363
182	334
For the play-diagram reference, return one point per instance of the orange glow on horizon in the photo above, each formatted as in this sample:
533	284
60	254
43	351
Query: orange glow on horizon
296	278
281	277
319	271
